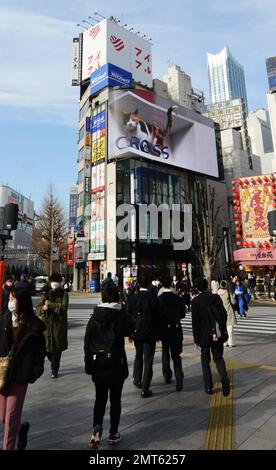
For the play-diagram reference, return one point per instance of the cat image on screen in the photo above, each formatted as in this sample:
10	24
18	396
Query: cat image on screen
141	129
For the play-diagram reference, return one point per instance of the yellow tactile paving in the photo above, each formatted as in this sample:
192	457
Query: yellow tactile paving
220	432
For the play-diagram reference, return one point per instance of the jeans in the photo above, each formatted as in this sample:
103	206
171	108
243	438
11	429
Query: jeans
217	352
115	388
54	358
11	406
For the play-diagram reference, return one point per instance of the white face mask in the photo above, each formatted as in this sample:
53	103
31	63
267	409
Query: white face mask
55	285
12	306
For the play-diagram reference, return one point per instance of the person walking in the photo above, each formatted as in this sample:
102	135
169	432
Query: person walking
106	362
144	315
21	335
172	309
209	319
239	296
53	311
107	282
268	285
228	301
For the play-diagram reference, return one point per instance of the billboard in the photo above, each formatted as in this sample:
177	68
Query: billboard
97	233
76	62
256	200
109	75
70	249
229	114
25	205
107	42
271	72
98	130
142	124
73	207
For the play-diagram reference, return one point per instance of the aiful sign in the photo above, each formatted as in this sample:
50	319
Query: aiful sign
109	75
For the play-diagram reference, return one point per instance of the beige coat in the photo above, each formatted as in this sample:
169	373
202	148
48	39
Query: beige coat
227	299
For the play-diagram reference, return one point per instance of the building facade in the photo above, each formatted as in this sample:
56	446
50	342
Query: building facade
226	77
259	131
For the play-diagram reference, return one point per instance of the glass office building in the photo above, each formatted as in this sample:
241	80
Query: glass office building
226	78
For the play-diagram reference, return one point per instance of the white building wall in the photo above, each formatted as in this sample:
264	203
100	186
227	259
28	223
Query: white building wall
271	98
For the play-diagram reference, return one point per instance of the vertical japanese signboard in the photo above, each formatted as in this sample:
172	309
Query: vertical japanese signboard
98	130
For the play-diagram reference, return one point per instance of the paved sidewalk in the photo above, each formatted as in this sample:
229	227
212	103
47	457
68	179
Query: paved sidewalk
60	411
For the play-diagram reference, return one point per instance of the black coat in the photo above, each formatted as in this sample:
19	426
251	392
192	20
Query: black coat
201	330
118	362
149	304
172	309
28	358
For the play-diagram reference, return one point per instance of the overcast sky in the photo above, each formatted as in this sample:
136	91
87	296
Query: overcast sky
39	108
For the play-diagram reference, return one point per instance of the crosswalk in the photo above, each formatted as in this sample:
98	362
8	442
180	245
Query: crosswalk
257	323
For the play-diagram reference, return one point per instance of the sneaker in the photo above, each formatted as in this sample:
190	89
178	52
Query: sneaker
95	441
137	384
114	438
226	388
54	376
23	436
146	394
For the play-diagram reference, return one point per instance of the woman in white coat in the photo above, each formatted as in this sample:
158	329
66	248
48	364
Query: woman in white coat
228	300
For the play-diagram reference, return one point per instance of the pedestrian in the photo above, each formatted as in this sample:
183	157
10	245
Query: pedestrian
209	319
240	301
175	284
172	309
268	285
155	286
6	289
67	286
21	335
53	311
115	279
143	311
106	362
107	282
228	301
252	284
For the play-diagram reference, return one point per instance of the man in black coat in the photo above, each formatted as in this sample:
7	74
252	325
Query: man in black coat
204	307
172	309
143	312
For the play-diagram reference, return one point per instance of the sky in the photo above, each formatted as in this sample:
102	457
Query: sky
38	105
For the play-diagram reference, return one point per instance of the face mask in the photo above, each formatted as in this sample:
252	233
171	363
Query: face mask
12	306
55	285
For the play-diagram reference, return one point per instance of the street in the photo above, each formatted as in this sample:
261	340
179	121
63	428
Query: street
60	411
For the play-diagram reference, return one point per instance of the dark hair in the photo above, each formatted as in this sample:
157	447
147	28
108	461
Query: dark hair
223	284
166	281
109	274
25	312
143	281
110	294
56	277
201	284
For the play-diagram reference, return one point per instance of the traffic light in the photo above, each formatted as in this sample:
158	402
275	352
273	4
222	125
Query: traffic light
10	216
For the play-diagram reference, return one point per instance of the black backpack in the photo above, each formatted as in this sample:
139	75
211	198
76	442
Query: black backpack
216	325
142	323
101	346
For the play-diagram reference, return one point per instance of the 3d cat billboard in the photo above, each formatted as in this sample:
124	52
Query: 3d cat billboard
141	124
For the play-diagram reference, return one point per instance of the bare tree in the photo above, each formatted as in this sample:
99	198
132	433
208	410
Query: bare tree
209	222
51	225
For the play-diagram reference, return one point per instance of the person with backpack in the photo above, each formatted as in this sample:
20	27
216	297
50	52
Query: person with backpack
143	310
228	300
52	310
106	362
209	319
172	309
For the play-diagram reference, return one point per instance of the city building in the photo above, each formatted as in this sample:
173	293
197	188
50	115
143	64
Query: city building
180	89
135	148
271	96
18	251
259	131
226	77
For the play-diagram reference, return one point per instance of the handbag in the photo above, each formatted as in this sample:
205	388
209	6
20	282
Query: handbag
5	363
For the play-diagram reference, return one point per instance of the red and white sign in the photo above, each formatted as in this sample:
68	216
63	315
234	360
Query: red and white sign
256	256
108	42
70	250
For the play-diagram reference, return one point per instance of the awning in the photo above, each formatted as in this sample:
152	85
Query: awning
256	256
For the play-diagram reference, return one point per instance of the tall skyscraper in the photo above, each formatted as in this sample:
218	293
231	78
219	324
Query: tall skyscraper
226	77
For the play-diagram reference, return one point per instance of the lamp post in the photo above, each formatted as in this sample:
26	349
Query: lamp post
51	244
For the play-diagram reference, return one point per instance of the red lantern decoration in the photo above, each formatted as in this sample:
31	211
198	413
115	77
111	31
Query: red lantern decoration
237	229
274	205
266	179
252	244
245	244
259	179
240	182
236	196
274	191
239	243
237	222
236	216
253	181
238	236
246	181
237	208
236	201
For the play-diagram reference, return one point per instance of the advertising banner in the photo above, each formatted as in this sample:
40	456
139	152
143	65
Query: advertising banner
98	177
256	200
109	75
98	129
109	43
97	234
73	209
76	62
70	250
145	125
